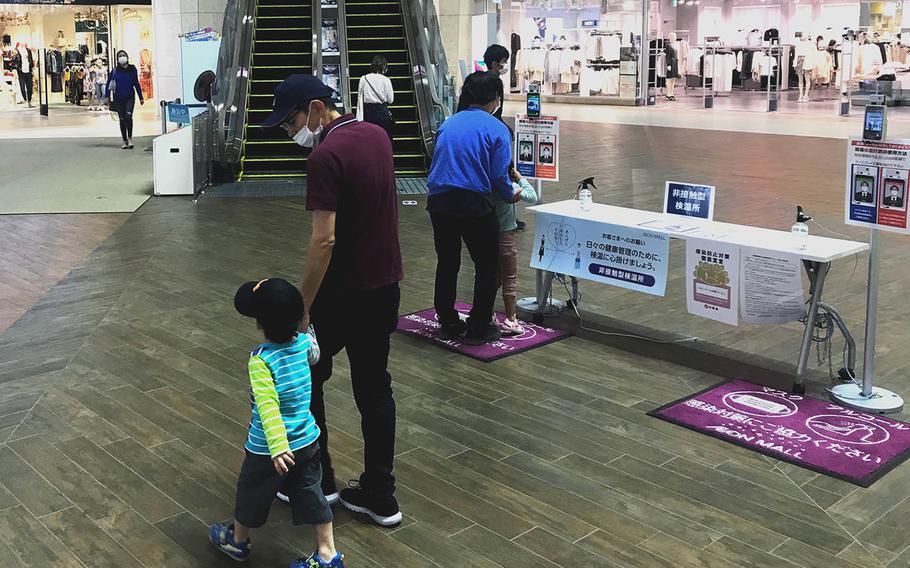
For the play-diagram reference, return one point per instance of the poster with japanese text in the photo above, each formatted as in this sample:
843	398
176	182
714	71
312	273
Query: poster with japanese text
772	288
631	258
877	183
689	200
712	280
537	147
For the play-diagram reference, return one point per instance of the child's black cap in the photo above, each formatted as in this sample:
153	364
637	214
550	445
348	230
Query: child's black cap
273	300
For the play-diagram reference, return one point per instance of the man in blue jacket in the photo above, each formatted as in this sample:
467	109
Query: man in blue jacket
471	161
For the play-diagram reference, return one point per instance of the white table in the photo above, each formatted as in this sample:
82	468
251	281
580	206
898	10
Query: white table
817	256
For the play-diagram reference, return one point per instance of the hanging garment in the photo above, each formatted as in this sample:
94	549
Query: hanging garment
145	74
672	61
513	70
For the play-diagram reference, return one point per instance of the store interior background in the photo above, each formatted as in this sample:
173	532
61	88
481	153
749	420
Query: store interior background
148	30
468	26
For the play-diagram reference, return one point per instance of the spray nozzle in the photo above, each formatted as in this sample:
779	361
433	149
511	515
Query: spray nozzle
801	217
583	184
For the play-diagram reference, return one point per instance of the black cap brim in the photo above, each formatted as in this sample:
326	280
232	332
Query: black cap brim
243	300
278	116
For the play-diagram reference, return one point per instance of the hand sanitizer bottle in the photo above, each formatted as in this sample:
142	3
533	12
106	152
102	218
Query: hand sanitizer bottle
584	194
800	230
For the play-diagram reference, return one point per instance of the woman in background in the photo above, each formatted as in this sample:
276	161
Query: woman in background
375	94
124	82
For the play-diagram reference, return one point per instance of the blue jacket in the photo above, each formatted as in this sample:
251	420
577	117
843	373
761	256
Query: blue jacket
473	153
126	82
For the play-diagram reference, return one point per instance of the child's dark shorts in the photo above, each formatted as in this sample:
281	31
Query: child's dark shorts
259	482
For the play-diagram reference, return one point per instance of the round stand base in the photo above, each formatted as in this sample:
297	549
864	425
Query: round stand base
881	402
553	308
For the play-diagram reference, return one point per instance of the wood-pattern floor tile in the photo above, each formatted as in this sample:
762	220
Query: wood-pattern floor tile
504	552
639	508
125	483
136	425
86	539
32	542
31	489
502	496
469	505
87	493
170	480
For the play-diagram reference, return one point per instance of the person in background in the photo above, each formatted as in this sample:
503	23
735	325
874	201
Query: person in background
508	252
375	94
123	84
471	163
350	277
496	58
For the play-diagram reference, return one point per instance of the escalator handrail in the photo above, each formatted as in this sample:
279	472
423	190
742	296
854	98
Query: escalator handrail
421	27
230	90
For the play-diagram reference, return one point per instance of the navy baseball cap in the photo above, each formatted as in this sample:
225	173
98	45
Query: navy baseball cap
295	93
273	299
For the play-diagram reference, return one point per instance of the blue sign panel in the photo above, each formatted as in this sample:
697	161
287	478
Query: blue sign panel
179	114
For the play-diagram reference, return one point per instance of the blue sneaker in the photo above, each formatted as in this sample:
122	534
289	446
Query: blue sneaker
222	536
314	561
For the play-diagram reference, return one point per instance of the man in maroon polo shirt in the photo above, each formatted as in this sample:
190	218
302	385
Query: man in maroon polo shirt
350	282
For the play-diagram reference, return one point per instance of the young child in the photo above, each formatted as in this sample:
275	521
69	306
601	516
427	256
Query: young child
282	452
508	253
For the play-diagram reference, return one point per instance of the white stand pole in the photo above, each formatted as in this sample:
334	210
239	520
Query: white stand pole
869	398
540	306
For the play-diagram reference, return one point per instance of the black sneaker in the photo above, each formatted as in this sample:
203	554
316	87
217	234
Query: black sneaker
487	334
452	330
381	510
520	225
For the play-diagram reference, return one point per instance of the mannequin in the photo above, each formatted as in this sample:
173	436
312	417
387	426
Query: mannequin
869	60
804	64
671	49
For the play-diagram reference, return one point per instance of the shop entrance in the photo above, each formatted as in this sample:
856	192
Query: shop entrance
59	55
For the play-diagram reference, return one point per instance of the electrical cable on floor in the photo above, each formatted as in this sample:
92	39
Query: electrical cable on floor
581	322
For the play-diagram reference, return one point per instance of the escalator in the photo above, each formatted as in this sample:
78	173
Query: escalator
282	46
375	27
265	41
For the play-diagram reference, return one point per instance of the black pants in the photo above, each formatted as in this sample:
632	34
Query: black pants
379	115
26	86
361	323
125	112
481	236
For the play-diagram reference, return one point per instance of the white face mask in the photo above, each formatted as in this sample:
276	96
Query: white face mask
122	60
308	138
504	70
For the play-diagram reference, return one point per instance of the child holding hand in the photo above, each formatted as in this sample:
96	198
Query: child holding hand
507	214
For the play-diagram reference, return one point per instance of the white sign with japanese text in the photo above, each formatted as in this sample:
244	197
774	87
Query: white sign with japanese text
627	257
712	280
772	288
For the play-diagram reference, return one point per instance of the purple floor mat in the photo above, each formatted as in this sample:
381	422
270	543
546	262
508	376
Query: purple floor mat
423	324
808	432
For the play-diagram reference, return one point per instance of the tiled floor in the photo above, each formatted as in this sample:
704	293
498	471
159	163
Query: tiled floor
123	404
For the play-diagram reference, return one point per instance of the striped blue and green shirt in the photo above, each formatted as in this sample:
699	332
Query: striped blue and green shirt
280	390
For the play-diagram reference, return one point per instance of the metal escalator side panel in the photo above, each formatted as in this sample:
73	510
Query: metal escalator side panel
429	67
230	90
